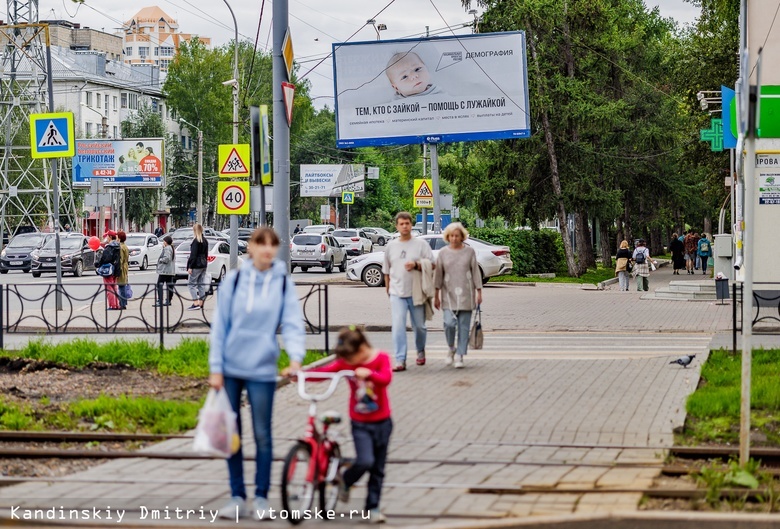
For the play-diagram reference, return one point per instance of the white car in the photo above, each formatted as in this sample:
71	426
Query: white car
378	236
145	249
493	261
319	229
355	242
218	259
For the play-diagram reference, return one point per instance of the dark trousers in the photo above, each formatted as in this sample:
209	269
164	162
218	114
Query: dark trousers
168	281
371	442
122	296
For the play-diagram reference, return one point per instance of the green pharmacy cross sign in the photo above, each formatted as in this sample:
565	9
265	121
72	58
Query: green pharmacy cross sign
714	135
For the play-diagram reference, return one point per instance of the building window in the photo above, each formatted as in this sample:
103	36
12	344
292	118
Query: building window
156	51
115	104
99	100
166	51
89	99
88	128
173	114
143	51
106	102
115	132
184	142
165	64
129	51
133	102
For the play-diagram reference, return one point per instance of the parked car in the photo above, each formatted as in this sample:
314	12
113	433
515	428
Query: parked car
355	242
378	236
75	256
183	234
17	254
19	231
319	228
218	259
493	260
243	234
145	249
309	250
243	246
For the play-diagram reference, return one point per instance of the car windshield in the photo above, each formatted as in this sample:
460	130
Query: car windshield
307	240
344	233
66	243
137	240
22	242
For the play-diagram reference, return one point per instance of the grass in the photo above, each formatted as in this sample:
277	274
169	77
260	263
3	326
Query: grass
188	359
713	409
592	276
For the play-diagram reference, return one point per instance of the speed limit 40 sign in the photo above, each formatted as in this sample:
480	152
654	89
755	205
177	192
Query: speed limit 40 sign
233	198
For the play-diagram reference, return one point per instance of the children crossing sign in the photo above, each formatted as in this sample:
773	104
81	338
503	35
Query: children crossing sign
234	160
52	135
423	194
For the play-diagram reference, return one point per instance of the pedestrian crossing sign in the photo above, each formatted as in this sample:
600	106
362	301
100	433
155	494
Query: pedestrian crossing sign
52	135
234	160
348	197
423	193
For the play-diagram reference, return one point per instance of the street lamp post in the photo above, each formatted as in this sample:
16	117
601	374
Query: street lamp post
103	120
234	218
377	27
199	211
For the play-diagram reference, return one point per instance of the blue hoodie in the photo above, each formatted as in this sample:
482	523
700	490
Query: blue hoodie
243	333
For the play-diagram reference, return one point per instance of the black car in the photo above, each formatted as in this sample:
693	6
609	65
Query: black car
75	254
16	255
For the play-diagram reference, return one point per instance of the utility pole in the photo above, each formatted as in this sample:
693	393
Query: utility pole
200	177
435	190
234	218
281	158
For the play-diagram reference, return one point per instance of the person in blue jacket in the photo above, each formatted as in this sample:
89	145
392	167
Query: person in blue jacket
252	303
704	251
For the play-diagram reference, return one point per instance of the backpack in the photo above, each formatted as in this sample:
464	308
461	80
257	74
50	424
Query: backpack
705	247
111	255
640	257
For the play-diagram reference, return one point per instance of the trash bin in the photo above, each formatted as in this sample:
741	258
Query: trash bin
722	289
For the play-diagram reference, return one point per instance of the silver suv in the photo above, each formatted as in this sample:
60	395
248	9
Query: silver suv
311	249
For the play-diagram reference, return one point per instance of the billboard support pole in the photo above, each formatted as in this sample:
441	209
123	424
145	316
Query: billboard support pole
435	190
262	204
425	173
281	136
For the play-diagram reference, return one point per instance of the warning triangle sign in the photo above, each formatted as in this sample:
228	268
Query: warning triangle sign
234	164
424	191
51	137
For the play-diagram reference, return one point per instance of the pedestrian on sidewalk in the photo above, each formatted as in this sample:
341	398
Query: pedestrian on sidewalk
253	302
405	257
622	265
458	289
124	267
697	262
166	269
369	411
677	249
690	251
196	267
704	252
642	262
111	255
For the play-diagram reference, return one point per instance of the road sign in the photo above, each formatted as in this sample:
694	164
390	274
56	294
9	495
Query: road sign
287	53
52	135
261	146
288	92
423	196
234	160
325	211
233	198
348	197
372	173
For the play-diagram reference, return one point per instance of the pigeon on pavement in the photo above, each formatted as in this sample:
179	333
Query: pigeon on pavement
684	361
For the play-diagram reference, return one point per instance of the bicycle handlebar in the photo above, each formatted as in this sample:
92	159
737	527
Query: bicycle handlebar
335	377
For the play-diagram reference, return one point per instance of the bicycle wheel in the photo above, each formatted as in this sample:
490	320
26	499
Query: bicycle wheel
329	486
297	492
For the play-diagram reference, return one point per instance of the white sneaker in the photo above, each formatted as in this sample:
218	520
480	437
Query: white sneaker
458	361
376	516
450	355
236	507
260	508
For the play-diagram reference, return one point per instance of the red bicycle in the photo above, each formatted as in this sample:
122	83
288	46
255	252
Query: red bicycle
313	462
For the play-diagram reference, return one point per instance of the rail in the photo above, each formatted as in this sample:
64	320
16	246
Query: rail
766	310
30	309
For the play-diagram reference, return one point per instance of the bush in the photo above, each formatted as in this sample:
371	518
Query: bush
533	252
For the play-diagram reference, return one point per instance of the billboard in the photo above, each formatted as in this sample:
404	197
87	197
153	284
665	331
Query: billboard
331	180
444	89
120	163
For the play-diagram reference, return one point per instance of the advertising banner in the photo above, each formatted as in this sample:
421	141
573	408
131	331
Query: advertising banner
445	89
331	180
119	163
768	166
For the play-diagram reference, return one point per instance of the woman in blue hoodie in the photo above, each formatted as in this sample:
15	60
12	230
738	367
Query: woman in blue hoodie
251	305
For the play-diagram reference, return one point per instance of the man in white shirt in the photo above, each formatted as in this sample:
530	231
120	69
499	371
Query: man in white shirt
402	260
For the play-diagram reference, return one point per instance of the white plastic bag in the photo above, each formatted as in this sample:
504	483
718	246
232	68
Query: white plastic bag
217	430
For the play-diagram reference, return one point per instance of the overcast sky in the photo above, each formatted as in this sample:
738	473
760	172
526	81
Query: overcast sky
314	24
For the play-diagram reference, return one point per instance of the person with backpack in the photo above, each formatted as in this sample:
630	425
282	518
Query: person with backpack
110	261
641	258
704	252
253	302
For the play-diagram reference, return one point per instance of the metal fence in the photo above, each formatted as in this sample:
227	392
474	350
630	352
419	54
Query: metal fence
31	309
766	310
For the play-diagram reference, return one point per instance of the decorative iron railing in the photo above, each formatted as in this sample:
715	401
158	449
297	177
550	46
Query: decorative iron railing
766	310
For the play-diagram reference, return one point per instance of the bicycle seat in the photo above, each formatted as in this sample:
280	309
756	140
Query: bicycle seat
330	417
